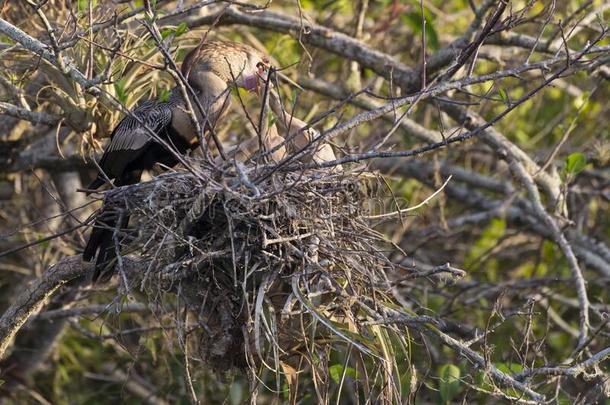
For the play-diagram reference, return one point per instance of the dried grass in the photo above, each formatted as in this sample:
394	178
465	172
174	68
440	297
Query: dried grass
277	276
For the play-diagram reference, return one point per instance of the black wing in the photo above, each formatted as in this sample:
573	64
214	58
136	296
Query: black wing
131	137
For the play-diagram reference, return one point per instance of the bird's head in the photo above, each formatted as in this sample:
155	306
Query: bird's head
232	62
254	74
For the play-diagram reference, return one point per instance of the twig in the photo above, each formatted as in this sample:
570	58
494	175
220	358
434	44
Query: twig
403	210
572	371
32	116
565	246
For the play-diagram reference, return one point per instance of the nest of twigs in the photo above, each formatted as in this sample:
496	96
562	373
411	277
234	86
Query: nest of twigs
273	270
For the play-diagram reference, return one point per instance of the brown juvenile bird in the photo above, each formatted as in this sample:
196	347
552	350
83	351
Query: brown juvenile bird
210	69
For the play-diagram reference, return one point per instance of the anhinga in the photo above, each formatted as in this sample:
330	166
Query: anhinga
210	70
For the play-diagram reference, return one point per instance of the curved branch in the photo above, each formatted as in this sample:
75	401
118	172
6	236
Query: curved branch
34	296
32	116
314	34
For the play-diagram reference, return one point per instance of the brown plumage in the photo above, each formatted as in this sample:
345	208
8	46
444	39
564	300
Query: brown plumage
210	69
227	60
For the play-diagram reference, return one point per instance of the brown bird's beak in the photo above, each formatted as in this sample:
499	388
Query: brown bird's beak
256	83
288	80
261	77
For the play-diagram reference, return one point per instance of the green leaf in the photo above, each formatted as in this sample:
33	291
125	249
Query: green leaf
181	29
336	372
488	240
449	384
119	88
575	163
503	96
509	368
166	32
236	393
83	5
414	21
164	95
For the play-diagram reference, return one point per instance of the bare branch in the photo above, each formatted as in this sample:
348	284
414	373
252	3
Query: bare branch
38	291
32	116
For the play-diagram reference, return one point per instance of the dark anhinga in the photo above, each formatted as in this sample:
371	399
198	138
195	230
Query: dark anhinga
210	69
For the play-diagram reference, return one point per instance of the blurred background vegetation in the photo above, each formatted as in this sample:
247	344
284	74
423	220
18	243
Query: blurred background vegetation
518	290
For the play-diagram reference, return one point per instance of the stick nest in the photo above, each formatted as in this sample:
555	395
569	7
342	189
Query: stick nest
270	271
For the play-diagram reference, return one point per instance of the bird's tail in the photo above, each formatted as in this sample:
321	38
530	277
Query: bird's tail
102	238
95	184
102	242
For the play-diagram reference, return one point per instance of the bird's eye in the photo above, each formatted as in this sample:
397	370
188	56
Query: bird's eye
262	67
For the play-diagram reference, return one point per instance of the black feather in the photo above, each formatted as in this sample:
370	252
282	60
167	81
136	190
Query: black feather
131	150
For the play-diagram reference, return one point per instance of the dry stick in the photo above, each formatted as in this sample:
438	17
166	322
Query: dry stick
436	90
573	371
331	90
565	246
317	35
591	251
33	297
585	21
42	220
27	115
403	210
39	290
130	382
43	51
338	43
17	93
592	260
124	55
90	67
187	370
90	310
62	62
184	86
430	326
108	23
444	56
480	361
472	48
424	62
370	115
565	135
41	240
550	183
547	20
363	6
263	119
329	39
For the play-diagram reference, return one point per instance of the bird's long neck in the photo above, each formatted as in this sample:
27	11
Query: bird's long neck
212	96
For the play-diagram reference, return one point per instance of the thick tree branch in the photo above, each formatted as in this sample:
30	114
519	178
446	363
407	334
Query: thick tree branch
310	33
34	296
42	50
32	116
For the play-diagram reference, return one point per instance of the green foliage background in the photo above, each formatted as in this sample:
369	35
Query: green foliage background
499	255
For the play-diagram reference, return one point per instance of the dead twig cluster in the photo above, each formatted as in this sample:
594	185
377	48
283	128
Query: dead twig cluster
252	263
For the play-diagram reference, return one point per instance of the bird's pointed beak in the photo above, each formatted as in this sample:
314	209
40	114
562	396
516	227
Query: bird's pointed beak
289	80
256	82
